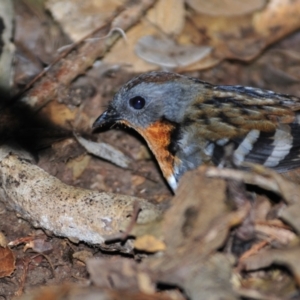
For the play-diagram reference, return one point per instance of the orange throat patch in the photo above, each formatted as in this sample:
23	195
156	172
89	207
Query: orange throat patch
158	138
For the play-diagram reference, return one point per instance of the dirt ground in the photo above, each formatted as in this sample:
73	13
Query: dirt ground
58	152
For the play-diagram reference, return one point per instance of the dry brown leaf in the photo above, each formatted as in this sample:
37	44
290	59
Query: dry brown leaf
165	16
58	114
290	191
78	18
7	262
78	165
3	241
285	257
137	180
195	226
123	52
149	243
241	37
83	255
168	16
226	7
58	78
119	272
281	74
76	292
192	213
283	235
290	215
261	177
271	180
193	231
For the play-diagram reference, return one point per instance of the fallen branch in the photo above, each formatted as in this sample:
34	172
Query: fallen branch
68	211
59	78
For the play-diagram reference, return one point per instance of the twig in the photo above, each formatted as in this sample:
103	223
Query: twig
247	177
48	260
135	213
72	66
69	49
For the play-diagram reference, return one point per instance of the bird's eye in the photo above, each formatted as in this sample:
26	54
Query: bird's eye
137	102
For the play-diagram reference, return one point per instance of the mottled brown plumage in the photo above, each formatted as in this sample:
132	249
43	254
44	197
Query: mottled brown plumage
187	122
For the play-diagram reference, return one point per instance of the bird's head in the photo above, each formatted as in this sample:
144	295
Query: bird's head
149	98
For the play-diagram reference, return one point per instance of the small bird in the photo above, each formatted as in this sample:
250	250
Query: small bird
188	122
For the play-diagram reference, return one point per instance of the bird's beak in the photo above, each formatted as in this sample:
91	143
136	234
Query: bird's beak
108	117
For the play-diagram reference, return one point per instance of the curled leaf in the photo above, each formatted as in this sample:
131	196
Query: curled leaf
166	53
226	7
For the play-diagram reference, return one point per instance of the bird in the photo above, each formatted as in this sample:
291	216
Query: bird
187	122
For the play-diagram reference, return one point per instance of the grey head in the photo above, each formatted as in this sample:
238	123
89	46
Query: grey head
151	97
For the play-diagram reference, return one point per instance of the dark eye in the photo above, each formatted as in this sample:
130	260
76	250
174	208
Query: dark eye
137	102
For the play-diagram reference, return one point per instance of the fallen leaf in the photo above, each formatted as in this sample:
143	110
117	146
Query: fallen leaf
105	151
284	257
83	255
165	53
168	16
283	235
7	262
75	292
58	114
137	180
39	245
226	7
3	241
240	37
149	243
90	13
78	165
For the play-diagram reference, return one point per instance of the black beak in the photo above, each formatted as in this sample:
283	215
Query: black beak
108	117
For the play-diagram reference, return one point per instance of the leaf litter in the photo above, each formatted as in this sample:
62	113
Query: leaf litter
226	233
